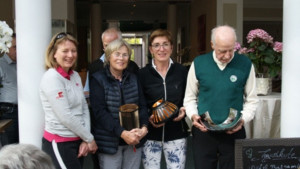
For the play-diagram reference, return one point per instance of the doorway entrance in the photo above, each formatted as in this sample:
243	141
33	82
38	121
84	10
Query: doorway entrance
139	44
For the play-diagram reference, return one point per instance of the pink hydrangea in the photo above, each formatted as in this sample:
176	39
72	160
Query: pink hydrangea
237	46
259	34
243	50
277	46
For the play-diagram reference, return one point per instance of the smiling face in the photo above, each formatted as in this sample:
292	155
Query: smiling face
161	49
119	59
66	55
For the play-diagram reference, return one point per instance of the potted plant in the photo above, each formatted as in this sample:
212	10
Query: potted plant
265	54
5	37
5	40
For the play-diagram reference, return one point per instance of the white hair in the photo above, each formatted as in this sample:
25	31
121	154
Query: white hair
24	156
214	32
112	30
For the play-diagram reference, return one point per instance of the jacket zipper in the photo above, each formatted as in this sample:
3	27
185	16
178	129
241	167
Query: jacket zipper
165	92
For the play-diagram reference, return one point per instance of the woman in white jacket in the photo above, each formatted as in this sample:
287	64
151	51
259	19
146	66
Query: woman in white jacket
67	137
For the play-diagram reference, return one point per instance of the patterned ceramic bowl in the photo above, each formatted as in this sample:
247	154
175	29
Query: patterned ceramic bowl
163	111
232	120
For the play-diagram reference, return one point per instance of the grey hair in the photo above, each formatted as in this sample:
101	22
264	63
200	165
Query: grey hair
24	156
112	30
214	31
114	46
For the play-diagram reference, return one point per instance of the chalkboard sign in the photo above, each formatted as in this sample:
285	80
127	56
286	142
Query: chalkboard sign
281	153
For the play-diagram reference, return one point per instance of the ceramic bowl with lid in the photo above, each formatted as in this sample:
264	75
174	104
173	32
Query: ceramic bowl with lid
163	110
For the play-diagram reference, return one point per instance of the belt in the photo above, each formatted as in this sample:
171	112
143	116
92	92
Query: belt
9	104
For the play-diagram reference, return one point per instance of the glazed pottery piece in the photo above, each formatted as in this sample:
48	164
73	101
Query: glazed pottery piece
163	111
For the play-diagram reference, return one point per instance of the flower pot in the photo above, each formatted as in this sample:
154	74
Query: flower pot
263	86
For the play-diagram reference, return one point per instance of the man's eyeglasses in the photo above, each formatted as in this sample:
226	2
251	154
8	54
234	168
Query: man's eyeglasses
165	46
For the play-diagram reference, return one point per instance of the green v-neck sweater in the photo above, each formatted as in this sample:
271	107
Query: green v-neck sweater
220	90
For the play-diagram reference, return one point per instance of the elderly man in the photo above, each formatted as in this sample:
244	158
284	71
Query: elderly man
218	81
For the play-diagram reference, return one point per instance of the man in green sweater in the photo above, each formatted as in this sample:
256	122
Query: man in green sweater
217	82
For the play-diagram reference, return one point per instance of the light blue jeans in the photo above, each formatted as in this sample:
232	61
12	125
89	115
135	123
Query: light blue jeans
125	158
174	151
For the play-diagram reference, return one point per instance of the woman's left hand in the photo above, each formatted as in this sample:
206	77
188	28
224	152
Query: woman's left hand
140	132
181	114
83	149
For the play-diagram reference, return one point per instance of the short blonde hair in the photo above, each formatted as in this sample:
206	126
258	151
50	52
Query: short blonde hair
114	46
50	61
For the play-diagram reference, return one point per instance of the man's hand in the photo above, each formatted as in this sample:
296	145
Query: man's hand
181	114
236	128
197	123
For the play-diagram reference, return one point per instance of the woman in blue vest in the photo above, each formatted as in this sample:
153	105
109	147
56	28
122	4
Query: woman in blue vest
111	88
164	79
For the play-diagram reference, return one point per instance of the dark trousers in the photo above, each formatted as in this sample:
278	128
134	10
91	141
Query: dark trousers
213	150
11	134
67	151
94	156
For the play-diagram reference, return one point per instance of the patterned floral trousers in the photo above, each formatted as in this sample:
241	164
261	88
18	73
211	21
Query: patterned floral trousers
174	151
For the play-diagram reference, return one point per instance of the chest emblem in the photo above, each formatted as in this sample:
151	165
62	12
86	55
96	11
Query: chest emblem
233	78
59	95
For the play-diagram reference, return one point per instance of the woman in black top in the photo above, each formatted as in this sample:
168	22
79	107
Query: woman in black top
164	79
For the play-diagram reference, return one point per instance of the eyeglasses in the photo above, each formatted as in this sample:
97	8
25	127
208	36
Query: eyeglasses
165	46
59	36
120	55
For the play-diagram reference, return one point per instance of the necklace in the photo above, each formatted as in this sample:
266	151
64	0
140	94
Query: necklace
116	75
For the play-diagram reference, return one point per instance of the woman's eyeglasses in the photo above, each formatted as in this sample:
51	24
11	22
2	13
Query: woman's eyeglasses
59	36
120	55
164	45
